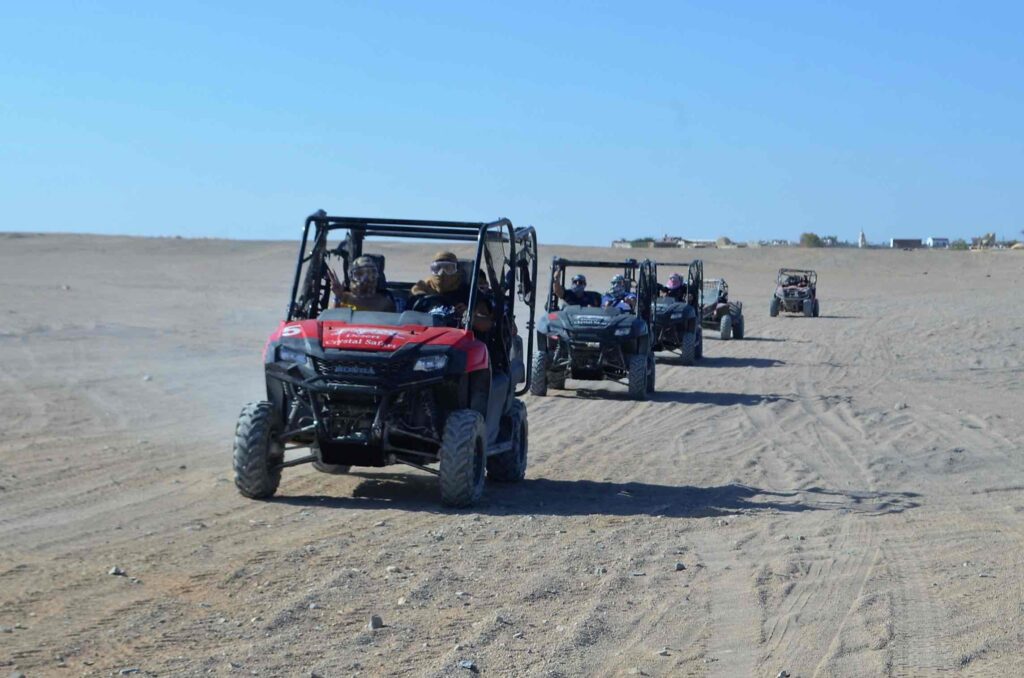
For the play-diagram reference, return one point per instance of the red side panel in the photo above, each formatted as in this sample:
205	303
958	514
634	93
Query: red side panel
477	357
300	329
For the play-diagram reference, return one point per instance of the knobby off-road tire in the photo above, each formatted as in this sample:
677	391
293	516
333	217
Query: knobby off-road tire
539	378
463	458
257	455
556	380
808	308
688	351
638	371
725	327
737	328
331	469
650	375
510	467
774	310
698	349
817	309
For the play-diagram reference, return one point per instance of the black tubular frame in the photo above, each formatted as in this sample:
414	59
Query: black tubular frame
811	274
428	229
559	264
695	280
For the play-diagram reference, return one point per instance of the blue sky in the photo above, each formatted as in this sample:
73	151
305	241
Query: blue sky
589	120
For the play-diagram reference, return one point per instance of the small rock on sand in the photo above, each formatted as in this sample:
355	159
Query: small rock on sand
375	623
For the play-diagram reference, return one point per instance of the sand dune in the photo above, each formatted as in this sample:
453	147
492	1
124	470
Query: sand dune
846	494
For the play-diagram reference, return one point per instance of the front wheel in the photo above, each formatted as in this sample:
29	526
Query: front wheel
650	376
816	309
638	374
463	458
808	308
725	327
737	328
539	377
257	454
774	310
510	467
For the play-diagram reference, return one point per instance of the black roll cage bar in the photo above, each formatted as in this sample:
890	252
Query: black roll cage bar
645	297
812	276
695	279
479	232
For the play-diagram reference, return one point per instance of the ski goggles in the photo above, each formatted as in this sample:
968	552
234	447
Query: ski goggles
444	268
365	274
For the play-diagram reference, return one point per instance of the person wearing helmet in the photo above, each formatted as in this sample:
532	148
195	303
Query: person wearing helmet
446	288
576	295
675	287
362	293
619	295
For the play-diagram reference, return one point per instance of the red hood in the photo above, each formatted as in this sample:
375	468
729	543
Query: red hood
339	335
386	337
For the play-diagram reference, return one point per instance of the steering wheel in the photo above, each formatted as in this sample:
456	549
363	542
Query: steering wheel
426	302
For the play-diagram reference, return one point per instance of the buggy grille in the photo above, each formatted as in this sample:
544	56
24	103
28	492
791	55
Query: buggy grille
359	370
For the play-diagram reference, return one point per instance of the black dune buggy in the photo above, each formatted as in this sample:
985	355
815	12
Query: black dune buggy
363	388
721	314
678	318
594	343
796	291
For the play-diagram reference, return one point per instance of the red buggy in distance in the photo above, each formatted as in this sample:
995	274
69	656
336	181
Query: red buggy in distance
417	386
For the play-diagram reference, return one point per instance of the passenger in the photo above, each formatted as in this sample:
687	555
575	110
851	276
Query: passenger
576	295
445	287
618	295
675	288
362	294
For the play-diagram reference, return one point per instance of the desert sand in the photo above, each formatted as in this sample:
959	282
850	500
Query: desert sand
844	495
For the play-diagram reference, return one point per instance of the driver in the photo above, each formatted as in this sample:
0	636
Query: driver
445	287
675	288
576	295
362	294
619	296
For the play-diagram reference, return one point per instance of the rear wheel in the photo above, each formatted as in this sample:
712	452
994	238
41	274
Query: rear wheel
556	379
650	377
638	366
688	350
808	308
510	467
737	328
816	309
331	469
463	458
257	454
725	327
539	377
774	311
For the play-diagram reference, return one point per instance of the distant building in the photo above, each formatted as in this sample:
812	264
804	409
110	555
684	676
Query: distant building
862	241
937	243
905	244
829	241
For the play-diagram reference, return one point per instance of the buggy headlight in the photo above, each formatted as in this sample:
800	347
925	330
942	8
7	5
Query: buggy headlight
623	331
291	355
429	363
677	316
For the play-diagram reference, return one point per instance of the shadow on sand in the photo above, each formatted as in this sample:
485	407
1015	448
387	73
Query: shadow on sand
543	496
681	397
729	361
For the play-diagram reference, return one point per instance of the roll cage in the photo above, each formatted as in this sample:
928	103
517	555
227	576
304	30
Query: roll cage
786	273
640	275
694	280
507	256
